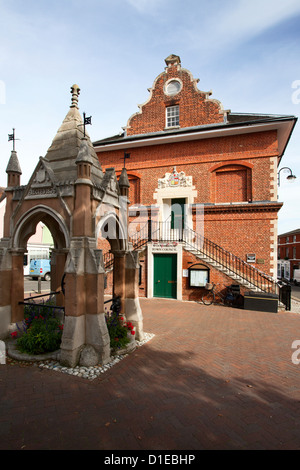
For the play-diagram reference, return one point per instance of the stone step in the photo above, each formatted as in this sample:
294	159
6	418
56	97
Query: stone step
234	276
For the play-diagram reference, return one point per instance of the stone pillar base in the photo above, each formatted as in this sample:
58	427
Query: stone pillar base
85	341
134	314
97	336
5	321
73	340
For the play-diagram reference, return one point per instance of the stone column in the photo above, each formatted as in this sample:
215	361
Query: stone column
133	310
58	262
119	277
85	338
5	290
17	286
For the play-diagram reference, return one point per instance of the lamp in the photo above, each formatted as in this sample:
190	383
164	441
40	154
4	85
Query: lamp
290	177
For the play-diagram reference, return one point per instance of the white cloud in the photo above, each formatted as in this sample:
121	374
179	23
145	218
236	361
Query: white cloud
251	18
238	20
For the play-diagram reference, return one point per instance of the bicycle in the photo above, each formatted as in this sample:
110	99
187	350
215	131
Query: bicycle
212	294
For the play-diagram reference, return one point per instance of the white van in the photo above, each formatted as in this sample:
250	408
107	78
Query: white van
296	277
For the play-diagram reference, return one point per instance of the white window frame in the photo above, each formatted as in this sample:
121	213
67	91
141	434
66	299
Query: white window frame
172	116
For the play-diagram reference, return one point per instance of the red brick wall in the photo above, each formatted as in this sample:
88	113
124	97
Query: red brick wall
231	184
197	159
242	233
195	294
283	245
195	107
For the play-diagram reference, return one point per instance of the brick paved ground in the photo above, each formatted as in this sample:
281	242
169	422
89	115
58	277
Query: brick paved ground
211	378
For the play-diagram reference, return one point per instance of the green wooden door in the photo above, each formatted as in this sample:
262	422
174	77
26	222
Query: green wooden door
165	276
177	213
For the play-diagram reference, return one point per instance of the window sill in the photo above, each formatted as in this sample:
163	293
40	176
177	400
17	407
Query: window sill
171	128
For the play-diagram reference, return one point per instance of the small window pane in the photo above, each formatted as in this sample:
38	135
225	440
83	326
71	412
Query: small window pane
172	116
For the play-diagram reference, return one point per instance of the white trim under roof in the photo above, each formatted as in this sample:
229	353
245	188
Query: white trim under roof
283	127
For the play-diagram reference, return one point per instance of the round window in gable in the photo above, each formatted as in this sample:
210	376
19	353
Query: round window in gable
173	87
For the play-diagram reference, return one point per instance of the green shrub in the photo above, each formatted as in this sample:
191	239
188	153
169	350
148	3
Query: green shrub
41	331
42	336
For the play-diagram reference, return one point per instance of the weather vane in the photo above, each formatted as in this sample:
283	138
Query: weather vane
86	121
126	155
12	137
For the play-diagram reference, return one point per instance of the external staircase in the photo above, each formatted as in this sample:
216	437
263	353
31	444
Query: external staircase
238	270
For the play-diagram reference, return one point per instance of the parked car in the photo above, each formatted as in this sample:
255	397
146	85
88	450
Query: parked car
296	277
40	267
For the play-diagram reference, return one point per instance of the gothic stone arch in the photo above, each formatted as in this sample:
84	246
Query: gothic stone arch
69	192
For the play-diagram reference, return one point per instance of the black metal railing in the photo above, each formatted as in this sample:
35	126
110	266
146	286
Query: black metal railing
232	263
235	266
45	306
108	259
285	293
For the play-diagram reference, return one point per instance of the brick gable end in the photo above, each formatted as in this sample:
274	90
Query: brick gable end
195	106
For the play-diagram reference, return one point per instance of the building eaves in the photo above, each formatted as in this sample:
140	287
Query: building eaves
292	232
234	120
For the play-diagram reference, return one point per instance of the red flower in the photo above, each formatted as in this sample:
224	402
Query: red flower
121	318
132	332
61	327
14	334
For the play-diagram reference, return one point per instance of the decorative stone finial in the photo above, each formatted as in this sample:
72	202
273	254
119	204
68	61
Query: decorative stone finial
75	90
173	60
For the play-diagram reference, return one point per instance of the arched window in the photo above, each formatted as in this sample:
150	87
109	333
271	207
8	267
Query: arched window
134	189
232	183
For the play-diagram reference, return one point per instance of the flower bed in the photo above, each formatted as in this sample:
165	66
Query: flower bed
121	332
40	331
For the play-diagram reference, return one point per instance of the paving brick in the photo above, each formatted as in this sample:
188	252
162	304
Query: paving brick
226	381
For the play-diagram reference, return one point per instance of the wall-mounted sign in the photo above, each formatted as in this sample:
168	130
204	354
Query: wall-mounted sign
198	275
165	247
251	258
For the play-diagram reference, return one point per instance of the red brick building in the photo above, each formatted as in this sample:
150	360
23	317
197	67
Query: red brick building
218	169
288	254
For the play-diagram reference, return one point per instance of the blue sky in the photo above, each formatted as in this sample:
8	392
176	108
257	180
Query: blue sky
246	52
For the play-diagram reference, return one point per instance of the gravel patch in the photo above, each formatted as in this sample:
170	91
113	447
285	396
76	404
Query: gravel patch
89	373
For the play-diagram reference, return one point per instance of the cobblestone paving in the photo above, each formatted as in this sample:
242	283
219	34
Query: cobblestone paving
211	378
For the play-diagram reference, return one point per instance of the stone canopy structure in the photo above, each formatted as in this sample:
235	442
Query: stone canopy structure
77	201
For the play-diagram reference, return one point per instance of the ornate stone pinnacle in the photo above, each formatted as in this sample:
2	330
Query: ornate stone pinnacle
75	90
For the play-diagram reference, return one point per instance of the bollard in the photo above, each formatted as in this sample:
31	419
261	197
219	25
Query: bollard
39	285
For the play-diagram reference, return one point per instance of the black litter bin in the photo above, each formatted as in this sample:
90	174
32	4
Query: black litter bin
261	301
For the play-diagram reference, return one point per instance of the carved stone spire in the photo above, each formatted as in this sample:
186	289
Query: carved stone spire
13	164
13	170
75	90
